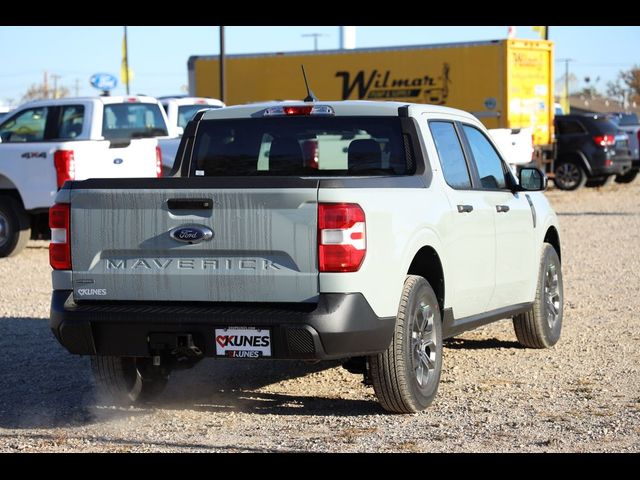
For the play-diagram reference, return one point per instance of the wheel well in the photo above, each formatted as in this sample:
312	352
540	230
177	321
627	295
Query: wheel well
553	238
576	157
427	264
10	192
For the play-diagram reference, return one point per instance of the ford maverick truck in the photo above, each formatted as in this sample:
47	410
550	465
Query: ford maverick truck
362	231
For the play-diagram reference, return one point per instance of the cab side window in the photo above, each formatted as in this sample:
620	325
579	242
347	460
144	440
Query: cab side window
71	121
452	160
490	166
26	126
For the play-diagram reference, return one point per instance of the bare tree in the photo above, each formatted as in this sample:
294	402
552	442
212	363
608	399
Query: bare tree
40	91
626	87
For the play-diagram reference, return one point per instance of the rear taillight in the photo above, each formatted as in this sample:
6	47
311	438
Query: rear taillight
605	140
342	242
60	246
65	166
158	162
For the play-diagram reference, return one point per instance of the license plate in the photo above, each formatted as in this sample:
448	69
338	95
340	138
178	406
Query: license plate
243	342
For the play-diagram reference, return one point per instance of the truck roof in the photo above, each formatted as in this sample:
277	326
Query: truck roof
105	100
341	108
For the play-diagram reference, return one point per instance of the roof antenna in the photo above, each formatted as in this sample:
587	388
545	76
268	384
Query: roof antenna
310	96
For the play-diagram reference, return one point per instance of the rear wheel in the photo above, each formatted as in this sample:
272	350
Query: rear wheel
540	327
128	380
569	176
15	228
628	177
406	376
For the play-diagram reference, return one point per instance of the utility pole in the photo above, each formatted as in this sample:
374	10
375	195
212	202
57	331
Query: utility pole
315	38
566	61
546	33
55	85
45	85
222	61
77	87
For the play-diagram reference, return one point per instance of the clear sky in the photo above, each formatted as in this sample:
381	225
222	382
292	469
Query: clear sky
158	55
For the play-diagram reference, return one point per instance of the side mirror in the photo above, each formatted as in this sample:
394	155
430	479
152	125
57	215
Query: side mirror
532	179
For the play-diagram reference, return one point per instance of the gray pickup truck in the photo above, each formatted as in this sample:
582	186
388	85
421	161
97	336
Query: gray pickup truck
363	231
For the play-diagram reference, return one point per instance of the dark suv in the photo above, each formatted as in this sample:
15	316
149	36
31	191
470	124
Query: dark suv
591	150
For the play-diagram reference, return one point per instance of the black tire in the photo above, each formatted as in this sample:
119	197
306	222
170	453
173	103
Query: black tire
416	344
15	228
569	175
128	380
600	181
628	177
540	327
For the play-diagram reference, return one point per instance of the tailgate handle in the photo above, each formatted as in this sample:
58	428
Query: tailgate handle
190	204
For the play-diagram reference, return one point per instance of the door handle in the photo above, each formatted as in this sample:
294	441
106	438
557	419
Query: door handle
190	204
502	208
465	208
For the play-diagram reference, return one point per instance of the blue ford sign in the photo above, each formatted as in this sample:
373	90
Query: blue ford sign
103	81
191	234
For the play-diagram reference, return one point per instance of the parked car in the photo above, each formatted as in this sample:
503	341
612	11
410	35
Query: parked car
359	230
180	110
47	142
629	123
590	150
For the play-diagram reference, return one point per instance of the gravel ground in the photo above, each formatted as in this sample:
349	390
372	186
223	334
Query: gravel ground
583	395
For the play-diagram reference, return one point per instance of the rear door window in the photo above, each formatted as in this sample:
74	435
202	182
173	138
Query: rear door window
71	121
568	127
133	120
301	146
452	160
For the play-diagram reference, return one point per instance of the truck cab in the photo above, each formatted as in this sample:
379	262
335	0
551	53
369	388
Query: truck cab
47	142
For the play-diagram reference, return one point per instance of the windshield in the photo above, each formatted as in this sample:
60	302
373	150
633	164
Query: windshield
301	146
133	120
186	113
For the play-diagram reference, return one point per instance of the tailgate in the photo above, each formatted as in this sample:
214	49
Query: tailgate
263	246
108	159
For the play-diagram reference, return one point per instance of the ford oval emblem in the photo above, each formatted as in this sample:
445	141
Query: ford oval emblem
118	161
103	81
191	234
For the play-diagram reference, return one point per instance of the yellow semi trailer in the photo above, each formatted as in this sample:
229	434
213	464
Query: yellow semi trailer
505	83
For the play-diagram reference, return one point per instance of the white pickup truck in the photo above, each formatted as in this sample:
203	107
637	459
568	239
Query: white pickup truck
46	142
180	110
367	231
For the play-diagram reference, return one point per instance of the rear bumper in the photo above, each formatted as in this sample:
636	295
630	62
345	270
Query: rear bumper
619	166
338	326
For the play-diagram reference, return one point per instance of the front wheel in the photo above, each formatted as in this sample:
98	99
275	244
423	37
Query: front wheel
128	380
406	376
540	327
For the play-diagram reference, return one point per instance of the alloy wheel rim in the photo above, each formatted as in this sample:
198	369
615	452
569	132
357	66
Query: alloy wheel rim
423	344
568	174
552	294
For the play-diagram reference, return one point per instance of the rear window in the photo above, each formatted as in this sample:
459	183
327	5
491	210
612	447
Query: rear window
133	120
300	146
186	113
601	125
